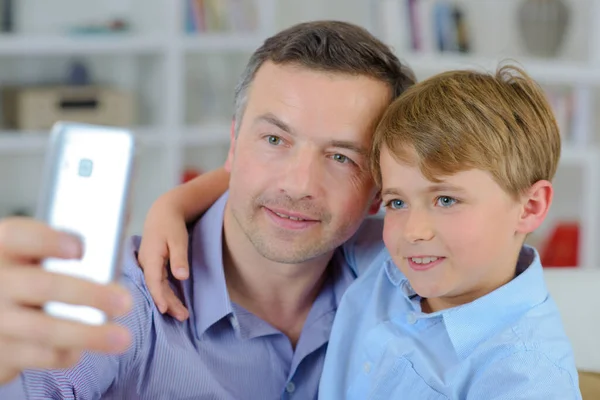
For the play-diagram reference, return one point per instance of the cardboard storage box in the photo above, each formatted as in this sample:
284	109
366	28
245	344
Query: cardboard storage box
589	383
38	108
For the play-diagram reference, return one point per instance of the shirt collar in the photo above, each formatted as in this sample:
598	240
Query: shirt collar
471	324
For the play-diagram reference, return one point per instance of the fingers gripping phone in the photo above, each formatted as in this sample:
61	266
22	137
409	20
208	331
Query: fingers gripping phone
86	189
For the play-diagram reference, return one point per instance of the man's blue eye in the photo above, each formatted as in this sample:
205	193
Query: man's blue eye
274	140
341	158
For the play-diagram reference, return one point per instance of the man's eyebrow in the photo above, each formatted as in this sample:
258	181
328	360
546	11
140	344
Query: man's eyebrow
271	119
349	145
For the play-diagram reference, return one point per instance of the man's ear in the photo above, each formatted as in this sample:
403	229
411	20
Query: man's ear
229	159
375	204
535	206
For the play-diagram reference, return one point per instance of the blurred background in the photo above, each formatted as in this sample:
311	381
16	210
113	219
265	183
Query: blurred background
167	69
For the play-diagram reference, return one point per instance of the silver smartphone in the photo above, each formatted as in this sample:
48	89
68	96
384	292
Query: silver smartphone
86	191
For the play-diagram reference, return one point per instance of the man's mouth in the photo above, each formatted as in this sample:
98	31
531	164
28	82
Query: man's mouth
289	216
292	215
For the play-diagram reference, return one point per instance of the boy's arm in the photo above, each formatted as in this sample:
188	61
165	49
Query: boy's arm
95	373
525	375
165	237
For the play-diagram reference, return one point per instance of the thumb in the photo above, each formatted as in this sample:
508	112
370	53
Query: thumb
178	255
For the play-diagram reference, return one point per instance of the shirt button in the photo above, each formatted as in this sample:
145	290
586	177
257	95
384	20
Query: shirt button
411	318
290	387
367	367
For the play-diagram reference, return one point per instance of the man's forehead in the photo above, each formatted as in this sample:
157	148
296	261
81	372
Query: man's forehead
270	73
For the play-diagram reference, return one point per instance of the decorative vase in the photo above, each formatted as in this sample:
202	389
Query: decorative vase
543	26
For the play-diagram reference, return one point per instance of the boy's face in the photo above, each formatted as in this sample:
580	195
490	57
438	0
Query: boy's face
456	240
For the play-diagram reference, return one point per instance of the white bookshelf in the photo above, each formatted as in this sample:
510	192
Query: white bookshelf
160	62
153	61
557	72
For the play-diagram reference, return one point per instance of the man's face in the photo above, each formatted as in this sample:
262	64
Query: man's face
300	184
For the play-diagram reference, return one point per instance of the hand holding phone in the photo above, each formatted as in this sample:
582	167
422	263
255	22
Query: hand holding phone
39	263
29	338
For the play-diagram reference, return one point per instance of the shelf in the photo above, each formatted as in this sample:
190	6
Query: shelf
86	45
573	155
222	42
207	135
17	142
546	71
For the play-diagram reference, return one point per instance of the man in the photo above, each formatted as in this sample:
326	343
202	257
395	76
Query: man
266	272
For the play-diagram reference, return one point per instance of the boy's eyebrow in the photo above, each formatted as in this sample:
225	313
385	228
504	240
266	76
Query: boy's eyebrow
391	191
441	187
444	187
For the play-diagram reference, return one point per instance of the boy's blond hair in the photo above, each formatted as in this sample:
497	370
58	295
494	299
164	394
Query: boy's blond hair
461	120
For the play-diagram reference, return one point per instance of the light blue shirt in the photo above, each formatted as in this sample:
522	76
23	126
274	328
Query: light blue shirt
507	345
221	352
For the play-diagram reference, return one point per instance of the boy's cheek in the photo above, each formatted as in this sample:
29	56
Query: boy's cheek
392	233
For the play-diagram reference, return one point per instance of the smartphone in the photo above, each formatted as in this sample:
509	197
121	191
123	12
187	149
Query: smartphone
86	191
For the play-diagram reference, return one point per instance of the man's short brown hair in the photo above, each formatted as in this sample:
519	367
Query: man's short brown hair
328	46
461	120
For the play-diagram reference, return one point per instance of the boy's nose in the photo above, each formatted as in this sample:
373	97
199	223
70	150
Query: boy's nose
418	227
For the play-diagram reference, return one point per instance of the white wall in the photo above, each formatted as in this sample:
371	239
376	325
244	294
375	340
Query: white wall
576	294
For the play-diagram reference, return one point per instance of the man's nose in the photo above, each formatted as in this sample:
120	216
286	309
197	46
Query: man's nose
302	175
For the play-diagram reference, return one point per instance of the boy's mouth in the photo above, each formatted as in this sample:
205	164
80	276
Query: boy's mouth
423	263
423	260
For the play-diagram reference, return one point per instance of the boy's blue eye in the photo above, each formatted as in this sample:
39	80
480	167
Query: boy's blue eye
396	204
445	201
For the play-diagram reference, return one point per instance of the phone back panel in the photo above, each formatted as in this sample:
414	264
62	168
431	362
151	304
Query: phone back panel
86	190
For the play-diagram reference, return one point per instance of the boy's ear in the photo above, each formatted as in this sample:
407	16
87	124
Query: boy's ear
375	204
535	206
229	159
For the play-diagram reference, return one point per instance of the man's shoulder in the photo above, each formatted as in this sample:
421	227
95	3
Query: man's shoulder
365	246
132	276
131	270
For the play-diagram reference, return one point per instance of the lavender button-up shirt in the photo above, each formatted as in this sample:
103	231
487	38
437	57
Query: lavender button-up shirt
221	352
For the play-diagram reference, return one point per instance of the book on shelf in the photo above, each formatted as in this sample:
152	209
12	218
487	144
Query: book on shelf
424	25
218	16
571	107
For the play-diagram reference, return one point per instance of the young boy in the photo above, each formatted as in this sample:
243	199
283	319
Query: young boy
456	307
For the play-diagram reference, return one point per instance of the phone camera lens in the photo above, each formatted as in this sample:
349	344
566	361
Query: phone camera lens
85	167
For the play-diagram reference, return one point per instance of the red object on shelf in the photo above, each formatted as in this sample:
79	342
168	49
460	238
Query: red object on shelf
562	247
189	174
